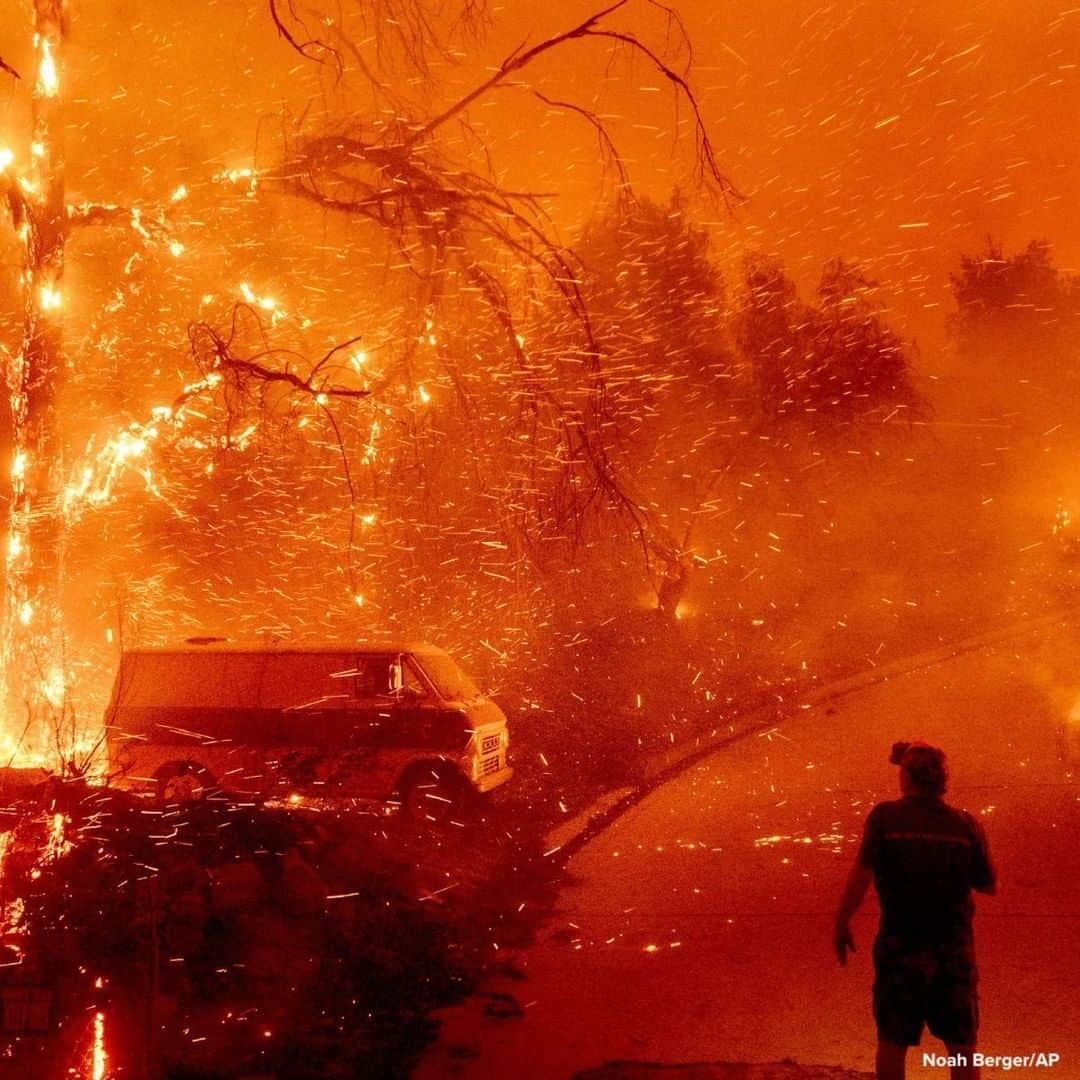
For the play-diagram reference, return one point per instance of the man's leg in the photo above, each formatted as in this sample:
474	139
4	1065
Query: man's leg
890	1060
899	992
954	1006
964	1053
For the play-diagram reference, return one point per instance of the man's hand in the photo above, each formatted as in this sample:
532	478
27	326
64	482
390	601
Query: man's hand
843	942
857	883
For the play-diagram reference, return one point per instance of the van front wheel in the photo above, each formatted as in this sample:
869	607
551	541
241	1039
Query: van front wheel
434	795
183	782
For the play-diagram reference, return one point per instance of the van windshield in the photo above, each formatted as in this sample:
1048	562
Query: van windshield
450	681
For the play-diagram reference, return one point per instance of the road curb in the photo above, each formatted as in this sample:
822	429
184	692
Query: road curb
570	837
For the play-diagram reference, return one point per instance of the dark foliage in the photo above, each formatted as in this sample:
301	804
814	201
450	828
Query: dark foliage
231	940
818	365
1017	311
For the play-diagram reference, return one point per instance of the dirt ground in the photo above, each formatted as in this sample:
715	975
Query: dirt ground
719	1070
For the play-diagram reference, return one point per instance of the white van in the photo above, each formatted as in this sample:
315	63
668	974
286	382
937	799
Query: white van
400	724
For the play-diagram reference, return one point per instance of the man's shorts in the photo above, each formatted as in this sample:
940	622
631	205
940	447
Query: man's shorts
919	983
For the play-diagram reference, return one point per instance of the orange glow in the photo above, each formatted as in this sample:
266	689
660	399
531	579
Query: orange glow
98	1057
50	298
48	78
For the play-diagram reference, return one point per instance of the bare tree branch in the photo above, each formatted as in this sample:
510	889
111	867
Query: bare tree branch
399	175
214	354
608	150
409	31
151	229
5	66
305	48
517	60
708	167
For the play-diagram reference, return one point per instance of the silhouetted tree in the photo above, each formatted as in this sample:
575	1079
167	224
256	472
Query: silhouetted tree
836	362
1016	310
770	328
657	306
859	364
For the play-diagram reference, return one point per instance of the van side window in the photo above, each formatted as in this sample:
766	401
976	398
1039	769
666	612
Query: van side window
307	680
378	676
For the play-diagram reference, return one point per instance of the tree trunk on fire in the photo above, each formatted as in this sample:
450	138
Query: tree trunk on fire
32	622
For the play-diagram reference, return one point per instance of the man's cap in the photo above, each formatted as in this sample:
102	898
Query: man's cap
925	764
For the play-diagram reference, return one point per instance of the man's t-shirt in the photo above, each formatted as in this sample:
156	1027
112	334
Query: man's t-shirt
926	857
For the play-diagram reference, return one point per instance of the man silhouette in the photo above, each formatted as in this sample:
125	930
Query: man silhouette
924	857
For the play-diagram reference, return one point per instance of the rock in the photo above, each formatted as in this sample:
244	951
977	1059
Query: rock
237	886
301	891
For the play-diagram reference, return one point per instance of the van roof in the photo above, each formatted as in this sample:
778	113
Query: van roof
223	645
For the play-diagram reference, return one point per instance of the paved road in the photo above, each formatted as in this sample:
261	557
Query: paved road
697	928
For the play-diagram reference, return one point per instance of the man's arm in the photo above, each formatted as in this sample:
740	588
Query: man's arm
983	871
857	883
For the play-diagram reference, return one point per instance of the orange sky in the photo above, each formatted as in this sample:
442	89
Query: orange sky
846	122
896	134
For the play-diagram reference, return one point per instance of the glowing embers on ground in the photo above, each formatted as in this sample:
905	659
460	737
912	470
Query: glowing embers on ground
41	840
98	1062
829	840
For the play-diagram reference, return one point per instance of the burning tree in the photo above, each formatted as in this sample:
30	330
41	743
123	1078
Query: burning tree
32	629
465	245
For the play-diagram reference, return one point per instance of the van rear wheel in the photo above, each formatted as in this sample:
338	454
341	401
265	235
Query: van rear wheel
184	782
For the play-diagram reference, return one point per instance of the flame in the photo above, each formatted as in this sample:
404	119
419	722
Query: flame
57	844
6	158
50	298
54	688
371	450
265	302
98	1057
236	176
48	78
84	747
10	913
129	448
